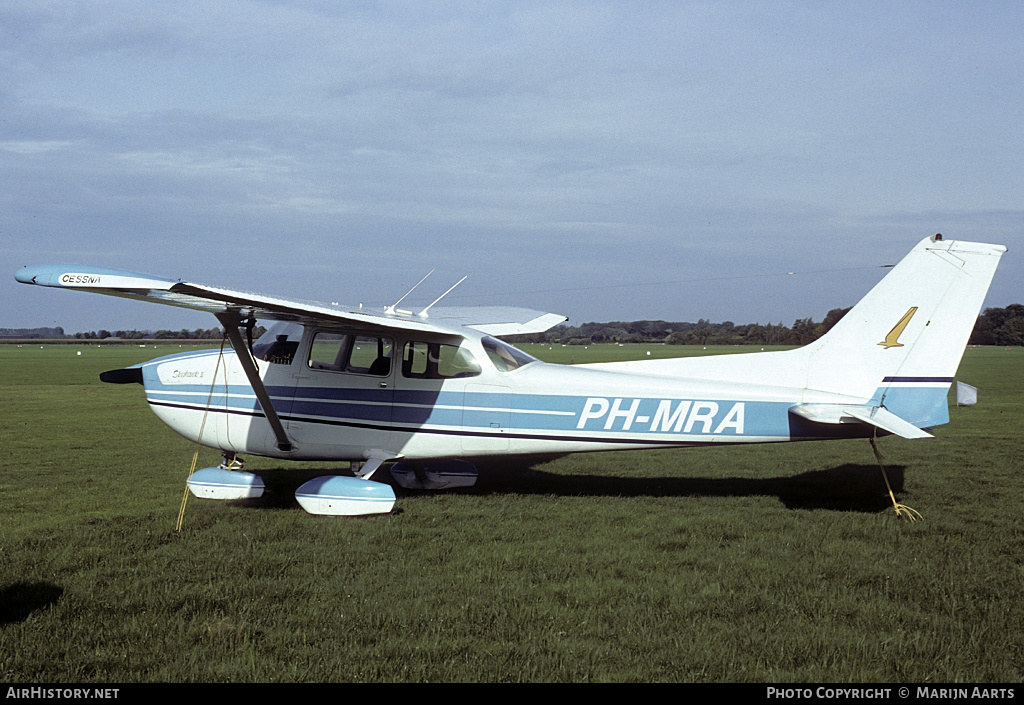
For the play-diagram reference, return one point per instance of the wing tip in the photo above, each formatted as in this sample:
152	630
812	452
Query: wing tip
70	275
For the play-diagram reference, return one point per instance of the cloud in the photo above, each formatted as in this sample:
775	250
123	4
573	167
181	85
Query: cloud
339	151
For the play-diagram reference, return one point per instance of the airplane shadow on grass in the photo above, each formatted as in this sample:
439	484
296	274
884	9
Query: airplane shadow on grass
849	487
19	600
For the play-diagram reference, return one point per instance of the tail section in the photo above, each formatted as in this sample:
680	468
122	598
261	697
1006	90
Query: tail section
890	360
900	346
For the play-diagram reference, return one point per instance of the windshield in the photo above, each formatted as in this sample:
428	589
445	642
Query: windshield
505	357
279	343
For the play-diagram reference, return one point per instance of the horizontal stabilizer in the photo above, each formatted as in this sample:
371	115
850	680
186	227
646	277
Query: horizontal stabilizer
886	420
877	416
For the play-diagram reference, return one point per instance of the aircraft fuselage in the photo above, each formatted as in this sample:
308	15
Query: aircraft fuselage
334	404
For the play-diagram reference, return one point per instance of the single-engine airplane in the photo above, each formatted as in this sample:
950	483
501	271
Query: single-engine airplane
427	392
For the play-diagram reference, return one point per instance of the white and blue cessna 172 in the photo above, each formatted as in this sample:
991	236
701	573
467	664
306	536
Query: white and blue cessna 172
424	390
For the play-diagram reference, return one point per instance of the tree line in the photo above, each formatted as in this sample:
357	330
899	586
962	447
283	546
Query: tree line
1000	326
183	334
33	333
995	326
103	334
703	332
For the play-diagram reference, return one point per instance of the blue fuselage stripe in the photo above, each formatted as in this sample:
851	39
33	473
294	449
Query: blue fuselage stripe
574	418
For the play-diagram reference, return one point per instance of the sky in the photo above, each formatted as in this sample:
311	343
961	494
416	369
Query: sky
608	161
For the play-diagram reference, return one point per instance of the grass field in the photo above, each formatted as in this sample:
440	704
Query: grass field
781	563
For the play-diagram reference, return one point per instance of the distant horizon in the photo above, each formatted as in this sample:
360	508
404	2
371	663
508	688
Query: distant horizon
6	335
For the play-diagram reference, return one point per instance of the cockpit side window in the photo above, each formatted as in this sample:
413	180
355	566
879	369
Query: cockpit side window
505	357
358	354
328	351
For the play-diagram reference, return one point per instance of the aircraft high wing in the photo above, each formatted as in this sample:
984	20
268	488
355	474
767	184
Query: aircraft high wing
423	392
492	320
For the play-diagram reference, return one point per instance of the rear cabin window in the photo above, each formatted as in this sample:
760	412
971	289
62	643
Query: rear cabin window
437	361
358	354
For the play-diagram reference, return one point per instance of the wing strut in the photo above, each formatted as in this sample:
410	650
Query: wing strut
231	321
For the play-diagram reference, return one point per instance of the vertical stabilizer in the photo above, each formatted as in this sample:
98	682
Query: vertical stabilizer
902	343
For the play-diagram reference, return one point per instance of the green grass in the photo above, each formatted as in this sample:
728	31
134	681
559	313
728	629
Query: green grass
780	563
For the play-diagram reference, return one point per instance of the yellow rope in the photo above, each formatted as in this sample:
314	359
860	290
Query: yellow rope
184	498
202	427
902	510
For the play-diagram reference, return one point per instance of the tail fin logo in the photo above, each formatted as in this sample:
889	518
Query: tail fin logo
892	340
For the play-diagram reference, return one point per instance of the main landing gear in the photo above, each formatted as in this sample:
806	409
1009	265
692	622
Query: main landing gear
336	495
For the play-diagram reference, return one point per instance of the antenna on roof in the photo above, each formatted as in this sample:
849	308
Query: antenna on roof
423	313
392	308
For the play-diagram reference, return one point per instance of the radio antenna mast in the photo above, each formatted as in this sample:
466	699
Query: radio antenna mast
423	313
392	309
